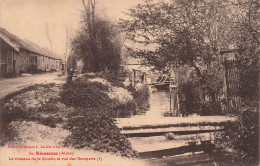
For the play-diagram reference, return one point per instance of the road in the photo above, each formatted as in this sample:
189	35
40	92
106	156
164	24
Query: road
10	85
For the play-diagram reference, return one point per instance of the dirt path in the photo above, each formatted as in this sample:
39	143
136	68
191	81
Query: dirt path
10	85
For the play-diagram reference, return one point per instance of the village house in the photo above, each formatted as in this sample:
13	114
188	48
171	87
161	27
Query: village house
23	56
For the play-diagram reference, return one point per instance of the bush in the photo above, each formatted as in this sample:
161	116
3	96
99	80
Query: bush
92	120
191	98
113	79
189	95
126	109
210	108
85	94
141	97
242	137
95	128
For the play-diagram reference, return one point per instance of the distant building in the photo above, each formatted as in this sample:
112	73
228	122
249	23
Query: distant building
23	56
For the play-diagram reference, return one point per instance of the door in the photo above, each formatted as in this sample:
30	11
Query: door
36	68
3	64
14	66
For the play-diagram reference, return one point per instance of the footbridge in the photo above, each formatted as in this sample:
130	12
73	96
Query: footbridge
174	140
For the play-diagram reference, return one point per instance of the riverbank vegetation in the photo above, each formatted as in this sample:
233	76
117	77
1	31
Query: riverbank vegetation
216	42
240	140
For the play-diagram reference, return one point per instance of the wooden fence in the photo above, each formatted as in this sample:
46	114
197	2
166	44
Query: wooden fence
232	86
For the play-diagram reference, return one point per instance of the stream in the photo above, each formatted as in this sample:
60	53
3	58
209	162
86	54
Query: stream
158	103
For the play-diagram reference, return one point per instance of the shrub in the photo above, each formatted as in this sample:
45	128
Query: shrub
192	100
242	137
141	97
95	128
113	79
189	95
92	120
85	95
126	109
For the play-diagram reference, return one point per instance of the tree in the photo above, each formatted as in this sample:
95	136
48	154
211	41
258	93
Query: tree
247	34
188	31
49	35
68	33
191	32
97	42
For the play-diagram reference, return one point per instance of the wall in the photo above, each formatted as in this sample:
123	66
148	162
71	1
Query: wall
23	62
8	60
46	63
40	63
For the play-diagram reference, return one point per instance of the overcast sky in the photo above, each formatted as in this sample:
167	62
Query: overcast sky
28	18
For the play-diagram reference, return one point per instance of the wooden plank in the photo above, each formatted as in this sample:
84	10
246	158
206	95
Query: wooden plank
187	159
174	130
172	125
140	121
175	151
146	144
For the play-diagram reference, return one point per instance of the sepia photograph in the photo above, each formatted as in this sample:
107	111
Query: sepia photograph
129	82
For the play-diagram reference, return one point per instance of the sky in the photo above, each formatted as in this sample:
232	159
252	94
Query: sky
29	19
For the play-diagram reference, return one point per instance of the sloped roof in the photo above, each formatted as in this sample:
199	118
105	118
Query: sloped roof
35	46
27	45
17	40
50	53
42	51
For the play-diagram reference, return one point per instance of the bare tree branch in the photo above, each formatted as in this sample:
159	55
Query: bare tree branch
49	36
85	6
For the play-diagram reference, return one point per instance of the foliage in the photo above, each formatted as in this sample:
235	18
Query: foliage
192	38
189	95
141	97
126	109
191	33
200	97
192	100
99	48
85	94
95	128
91	117
92	121
113	79
242	137
247	35
185	31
